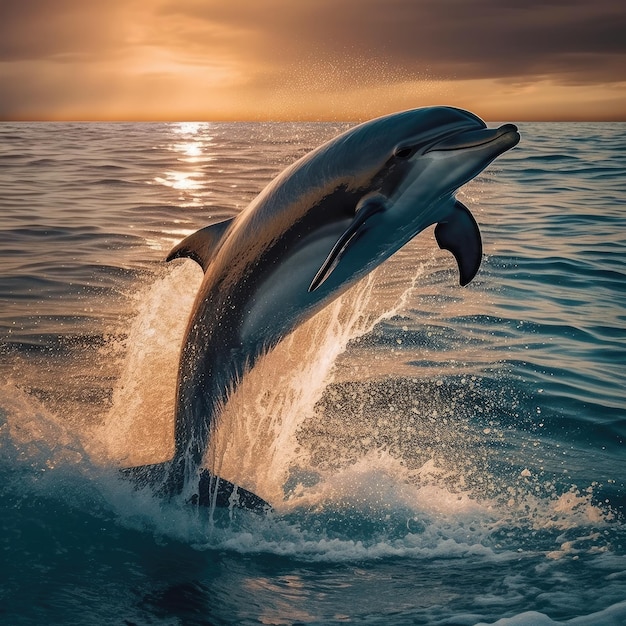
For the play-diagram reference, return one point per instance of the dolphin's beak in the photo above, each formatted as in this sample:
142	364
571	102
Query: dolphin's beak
474	138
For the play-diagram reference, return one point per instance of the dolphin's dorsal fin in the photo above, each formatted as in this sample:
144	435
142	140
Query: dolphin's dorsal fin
459	234
201	245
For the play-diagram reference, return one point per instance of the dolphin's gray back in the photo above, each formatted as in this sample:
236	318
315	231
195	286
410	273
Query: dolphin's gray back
322	188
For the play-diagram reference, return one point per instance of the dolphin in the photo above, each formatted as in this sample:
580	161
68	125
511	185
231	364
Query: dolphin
320	226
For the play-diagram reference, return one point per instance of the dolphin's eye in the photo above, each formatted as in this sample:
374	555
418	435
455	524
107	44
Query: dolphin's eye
404	152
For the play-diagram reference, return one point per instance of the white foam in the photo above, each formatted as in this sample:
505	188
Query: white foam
614	615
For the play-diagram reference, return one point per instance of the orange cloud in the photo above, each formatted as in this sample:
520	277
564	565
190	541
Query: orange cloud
314	59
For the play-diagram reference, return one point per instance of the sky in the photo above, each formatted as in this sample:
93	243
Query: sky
311	59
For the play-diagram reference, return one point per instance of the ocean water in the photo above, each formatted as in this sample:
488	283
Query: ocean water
435	454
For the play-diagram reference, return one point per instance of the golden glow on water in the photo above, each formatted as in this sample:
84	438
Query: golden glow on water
193	149
188	128
185	181
191	154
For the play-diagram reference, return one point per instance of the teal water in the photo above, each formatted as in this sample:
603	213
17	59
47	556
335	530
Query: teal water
435	454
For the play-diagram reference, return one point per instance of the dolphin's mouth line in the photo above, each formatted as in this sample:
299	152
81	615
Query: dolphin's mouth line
467	139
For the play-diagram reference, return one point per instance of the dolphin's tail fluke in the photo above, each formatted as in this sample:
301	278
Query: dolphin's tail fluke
212	491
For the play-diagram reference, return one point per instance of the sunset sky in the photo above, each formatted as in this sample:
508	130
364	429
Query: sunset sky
311	59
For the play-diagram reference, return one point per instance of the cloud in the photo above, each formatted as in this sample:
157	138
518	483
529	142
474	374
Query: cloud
59	30
311	58
578	41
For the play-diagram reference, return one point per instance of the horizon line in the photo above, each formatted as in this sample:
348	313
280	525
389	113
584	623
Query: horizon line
272	120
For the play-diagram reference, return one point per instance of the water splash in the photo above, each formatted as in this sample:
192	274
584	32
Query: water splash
272	436
139	426
354	502
37	435
255	443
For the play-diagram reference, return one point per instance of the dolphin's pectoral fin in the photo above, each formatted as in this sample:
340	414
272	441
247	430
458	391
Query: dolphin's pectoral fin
460	235
213	491
364	213
201	245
